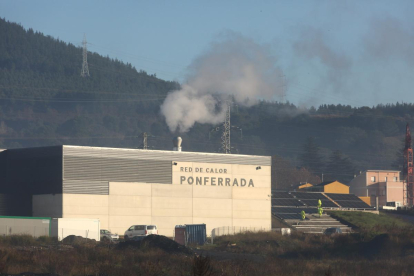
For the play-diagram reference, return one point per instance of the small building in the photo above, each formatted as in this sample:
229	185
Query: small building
382	184
332	187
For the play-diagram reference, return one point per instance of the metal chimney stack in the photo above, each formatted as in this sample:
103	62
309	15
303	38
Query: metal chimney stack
177	143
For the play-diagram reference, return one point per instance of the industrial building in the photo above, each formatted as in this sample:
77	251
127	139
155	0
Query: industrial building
382	184
124	187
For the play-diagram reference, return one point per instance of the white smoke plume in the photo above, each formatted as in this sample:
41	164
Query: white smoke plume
389	39
234	67
313	45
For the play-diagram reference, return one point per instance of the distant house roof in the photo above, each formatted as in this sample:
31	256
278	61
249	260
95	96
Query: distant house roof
302	185
329	182
382	171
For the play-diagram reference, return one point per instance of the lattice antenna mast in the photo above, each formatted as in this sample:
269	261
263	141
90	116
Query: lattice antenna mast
225	137
85	69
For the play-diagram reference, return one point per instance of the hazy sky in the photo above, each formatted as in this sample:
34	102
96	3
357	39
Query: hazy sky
349	52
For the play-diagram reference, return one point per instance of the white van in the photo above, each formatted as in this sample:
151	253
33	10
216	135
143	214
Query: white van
392	205
140	231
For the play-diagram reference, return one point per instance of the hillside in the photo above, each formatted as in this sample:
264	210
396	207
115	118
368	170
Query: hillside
44	101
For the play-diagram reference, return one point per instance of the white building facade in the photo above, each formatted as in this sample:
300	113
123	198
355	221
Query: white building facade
124	187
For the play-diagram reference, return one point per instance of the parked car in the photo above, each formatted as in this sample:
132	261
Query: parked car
140	231
332	231
108	236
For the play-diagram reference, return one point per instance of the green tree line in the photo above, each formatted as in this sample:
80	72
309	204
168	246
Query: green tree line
44	101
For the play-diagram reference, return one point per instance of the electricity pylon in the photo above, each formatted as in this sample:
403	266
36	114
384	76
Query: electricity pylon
225	137
85	69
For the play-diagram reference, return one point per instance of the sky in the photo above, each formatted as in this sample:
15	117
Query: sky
359	53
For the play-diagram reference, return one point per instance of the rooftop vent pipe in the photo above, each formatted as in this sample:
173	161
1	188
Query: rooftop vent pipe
177	143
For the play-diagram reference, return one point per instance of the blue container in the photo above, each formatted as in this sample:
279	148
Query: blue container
195	234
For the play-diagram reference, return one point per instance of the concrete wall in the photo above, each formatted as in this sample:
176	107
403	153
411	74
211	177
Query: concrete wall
229	195
386	192
395	192
381	176
358	185
87	228
24	226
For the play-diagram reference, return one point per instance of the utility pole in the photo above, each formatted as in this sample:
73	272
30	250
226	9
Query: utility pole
85	69
408	170
225	137
144	141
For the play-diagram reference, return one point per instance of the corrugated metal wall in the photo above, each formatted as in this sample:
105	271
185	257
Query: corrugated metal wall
15	205
90	174
167	155
87	170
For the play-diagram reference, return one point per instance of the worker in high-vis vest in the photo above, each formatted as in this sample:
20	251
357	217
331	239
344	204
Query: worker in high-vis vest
320	211
303	215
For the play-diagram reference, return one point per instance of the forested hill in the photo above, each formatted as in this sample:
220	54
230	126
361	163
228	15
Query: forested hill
45	101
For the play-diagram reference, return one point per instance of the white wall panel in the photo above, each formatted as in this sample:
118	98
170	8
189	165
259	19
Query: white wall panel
167	205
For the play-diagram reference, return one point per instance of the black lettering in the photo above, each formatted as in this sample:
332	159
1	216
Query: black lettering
205	180
251	183
199	180
186	169
227	181
221	171
207	170
182	178
220	181
190	180
225	170
181	169
242	182
197	169
235	182
201	170
190	169
213	181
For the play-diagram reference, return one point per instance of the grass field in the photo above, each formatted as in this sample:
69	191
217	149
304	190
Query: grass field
364	221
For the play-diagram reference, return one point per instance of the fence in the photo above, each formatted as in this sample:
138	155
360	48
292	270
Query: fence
35	231
62	233
232	230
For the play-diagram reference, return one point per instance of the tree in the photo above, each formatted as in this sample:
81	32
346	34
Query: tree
310	157
285	176
397	164
339	168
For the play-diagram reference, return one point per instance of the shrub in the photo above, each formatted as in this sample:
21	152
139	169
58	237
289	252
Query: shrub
18	240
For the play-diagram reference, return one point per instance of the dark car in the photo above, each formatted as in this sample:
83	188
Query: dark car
332	231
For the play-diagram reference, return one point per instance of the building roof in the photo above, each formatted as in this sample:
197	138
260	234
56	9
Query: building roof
382	171
329	182
165	155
